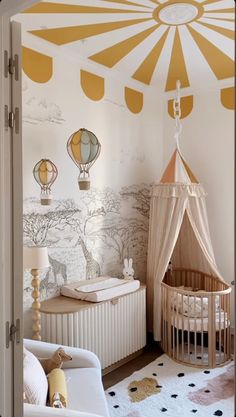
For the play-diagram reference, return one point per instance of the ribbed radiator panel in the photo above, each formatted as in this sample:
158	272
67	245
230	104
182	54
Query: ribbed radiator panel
112	331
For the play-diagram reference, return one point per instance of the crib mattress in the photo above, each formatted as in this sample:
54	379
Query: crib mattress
191	324
93	290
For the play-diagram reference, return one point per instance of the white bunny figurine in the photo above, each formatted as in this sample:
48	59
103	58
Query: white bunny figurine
128	271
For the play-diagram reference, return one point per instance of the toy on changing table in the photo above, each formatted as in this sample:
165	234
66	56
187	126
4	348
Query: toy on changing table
128	271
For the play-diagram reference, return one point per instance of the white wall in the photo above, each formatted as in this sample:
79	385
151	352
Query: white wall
207	143
130	160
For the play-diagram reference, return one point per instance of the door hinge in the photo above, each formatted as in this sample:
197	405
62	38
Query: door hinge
12	119
11	65
12	332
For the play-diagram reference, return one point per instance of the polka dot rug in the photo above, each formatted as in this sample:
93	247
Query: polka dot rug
169	389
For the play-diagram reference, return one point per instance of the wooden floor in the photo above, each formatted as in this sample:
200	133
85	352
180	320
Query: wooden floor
151	352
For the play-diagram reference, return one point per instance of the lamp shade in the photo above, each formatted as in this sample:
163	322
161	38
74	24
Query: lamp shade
36	257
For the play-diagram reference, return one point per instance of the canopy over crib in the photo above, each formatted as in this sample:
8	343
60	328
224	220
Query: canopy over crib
178	232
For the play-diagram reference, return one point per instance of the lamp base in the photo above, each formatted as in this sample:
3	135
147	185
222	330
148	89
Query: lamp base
36	316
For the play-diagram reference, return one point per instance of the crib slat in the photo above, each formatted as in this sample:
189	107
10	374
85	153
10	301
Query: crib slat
182	328
228	326
219	330
188	335
177	330
195	331
202	340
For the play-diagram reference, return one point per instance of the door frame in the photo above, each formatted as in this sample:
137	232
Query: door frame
11	245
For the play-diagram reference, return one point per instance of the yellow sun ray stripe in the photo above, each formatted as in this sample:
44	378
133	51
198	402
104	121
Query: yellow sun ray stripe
72	8
177	68
128	3
206	2
226	32
64	35
221	64
221	11
110	56
145	70
221	19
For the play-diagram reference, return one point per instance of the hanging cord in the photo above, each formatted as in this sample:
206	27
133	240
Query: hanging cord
177	114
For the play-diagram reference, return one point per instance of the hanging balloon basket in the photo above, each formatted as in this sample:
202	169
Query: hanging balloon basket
45	198
84	183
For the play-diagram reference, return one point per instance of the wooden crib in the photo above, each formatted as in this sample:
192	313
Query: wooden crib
195	318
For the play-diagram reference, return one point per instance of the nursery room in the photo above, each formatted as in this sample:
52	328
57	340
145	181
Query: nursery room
118	296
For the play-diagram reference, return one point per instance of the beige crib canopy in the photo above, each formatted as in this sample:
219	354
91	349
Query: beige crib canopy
178	232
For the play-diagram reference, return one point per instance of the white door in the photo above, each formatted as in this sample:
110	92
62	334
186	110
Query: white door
11	364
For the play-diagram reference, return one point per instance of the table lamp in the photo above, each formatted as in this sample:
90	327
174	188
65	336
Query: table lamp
35	258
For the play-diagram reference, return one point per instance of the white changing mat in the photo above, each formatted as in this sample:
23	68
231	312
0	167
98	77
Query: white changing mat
99	289
101	283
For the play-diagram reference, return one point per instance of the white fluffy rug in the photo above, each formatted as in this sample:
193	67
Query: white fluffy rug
166	388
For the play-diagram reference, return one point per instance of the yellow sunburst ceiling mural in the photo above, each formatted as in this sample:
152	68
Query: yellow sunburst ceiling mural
150	41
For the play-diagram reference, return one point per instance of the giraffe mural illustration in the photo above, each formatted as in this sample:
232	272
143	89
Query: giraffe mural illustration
58	268
93	269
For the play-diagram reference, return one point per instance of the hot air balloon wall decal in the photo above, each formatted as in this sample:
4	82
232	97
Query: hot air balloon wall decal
45	173
84	148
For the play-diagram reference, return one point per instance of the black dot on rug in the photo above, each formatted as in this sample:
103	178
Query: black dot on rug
158	386
191	385
199	357
206	372
194	410
133	389
163	409
174	395
218	413
191	353
116	406
154	374
160	364
207	390
180	374
112	393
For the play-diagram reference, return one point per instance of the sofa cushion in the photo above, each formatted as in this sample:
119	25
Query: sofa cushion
85	391
35	380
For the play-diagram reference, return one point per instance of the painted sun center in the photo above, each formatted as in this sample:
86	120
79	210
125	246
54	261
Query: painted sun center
176	14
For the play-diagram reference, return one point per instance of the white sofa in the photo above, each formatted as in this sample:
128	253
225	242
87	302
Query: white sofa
86	396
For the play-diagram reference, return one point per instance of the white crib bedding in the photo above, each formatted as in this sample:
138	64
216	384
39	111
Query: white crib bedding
99	289
199	325
192	306
190	312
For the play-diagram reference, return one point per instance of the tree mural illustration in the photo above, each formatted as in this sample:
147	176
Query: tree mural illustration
106	226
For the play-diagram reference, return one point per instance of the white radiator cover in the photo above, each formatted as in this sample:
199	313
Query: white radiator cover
112	331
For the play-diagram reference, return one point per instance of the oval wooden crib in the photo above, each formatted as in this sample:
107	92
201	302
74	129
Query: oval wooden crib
195	318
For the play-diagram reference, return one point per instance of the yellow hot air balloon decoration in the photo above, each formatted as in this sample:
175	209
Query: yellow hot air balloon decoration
45	173
84	148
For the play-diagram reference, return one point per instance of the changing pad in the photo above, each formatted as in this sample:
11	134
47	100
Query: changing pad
99	289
